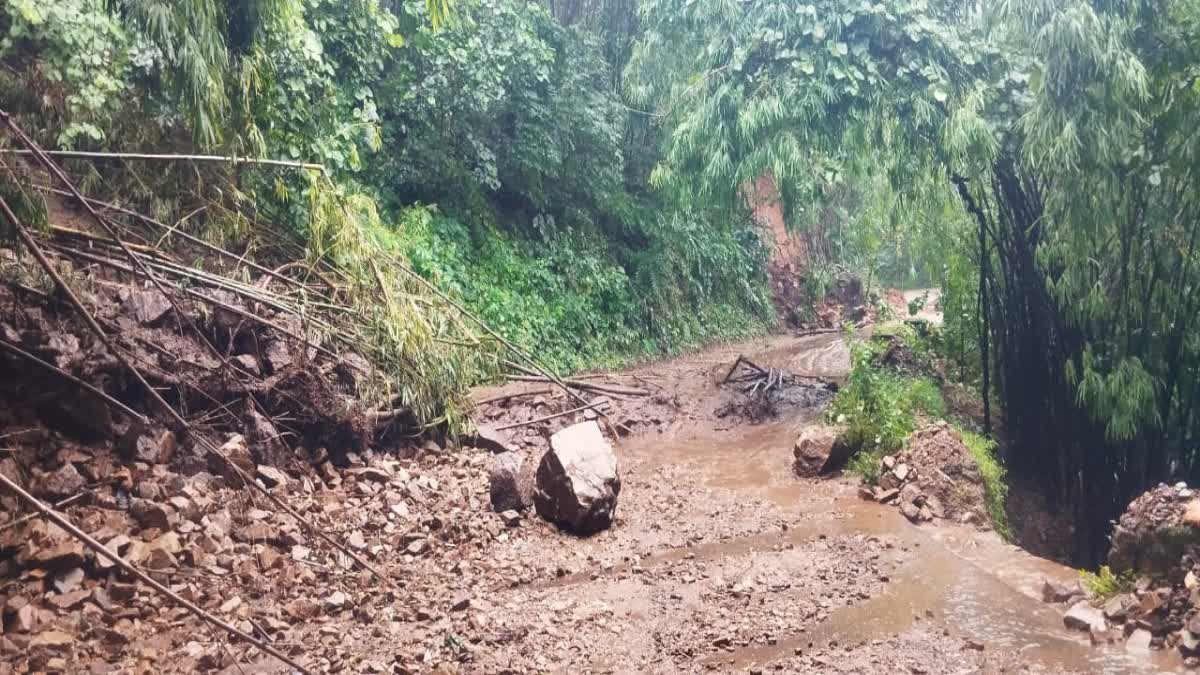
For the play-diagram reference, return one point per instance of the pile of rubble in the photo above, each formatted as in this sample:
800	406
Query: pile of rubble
933	477
1155	571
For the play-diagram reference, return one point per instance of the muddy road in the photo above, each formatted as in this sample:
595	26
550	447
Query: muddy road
720	559
723	560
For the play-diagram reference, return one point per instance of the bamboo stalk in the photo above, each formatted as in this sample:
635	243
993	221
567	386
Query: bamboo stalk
586	386
101	550
181	423
130	412
80	154
554	416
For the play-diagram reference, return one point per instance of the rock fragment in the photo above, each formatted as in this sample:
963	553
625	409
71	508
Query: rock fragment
578	481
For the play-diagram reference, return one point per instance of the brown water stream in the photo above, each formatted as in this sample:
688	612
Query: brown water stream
984	588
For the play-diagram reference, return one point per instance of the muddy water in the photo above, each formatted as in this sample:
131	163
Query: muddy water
971	583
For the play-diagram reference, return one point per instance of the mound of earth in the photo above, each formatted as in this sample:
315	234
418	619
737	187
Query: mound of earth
934	477
1156	531
1153	595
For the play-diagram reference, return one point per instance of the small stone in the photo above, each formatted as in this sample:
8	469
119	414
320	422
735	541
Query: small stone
417	546
1056	592
336	601
1082	616
460	602
151	514
510	518
901	472
1117	608
65	482
271	477
230	605
68	580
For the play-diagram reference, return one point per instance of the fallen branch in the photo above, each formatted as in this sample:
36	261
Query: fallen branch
741	359
585	386
130	412
547	418
25	519
112	557
181	424
79	154
519	394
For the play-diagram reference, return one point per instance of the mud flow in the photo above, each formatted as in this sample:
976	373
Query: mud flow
724	560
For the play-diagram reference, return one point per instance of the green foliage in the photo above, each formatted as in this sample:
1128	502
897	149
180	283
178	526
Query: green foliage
995	479
879	408
1105	584
579	308
73	52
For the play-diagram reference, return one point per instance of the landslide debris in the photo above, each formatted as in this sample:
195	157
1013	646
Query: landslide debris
933	477
1149	595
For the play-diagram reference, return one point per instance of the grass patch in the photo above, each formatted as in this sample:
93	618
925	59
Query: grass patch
879	408
1104	584
995	479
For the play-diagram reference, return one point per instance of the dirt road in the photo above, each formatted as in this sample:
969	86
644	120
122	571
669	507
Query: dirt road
720	560
723	560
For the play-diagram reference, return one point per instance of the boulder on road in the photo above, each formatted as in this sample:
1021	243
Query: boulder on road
820	450
1082	616
577	480
510	484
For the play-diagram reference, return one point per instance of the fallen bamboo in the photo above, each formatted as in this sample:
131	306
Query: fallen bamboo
181	424
585	386
129	412
80	154
25	519
61	521
517	394
547	418
186	236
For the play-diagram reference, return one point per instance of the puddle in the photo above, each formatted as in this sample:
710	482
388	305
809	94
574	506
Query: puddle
972	582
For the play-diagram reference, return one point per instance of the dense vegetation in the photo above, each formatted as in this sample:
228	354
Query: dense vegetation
575	171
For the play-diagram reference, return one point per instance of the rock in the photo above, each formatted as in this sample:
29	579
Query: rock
577	480
69	601
1191	514
924	514
888	481
1193	624
888	462
1188	644
147	306
901	472
1107	636
511	488
336	601
910	511
1139	641
52	639
460	602
488	438
935	507
65	482
139	445
151	514
1082	616
271	477
820	450
510	518
68	580
911	494
885	496
238	452
1118	607
1056	592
